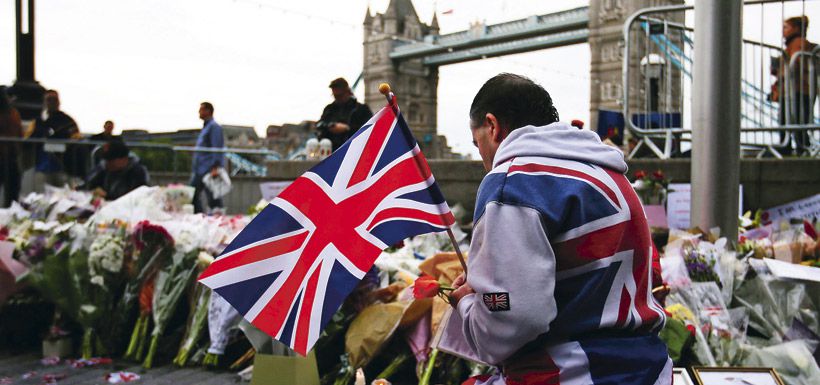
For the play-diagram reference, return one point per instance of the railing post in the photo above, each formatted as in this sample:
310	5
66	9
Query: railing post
716	115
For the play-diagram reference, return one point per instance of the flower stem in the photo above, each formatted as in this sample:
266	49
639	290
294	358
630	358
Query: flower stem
87	348
394	366
428	372
130	353
149	359
142	336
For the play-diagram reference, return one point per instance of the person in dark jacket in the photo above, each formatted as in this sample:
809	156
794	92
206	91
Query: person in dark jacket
56	124
342	118
11	127
118	174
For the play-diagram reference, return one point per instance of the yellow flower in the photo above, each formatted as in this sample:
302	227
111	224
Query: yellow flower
680	312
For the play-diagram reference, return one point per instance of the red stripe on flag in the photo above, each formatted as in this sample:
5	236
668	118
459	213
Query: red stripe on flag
305	315
371	150
565	171
408	214
255	254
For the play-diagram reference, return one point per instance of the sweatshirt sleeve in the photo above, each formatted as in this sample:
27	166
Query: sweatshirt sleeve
512	270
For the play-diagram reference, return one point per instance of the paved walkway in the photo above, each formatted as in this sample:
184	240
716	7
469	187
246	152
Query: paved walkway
12	368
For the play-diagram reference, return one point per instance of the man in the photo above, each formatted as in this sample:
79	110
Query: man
207	162
11	127
105	136
118	175
798	105
342	118
53	123
559	284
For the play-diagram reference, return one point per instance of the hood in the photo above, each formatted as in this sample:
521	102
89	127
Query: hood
562	141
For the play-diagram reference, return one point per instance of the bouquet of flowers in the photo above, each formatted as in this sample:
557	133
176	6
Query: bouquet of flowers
154	247
651	188
198	315
171	283
98	274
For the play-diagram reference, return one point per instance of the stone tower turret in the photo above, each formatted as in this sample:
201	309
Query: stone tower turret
414	83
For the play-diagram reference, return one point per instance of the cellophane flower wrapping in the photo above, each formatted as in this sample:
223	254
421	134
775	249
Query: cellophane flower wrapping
171	283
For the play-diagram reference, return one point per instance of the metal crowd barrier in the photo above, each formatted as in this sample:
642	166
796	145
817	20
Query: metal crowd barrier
657	101
157	157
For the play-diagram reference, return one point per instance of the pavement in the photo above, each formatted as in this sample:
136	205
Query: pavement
26	369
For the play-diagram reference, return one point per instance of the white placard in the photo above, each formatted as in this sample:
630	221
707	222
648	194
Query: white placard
788	270
271	189
679	205
804	208
54	147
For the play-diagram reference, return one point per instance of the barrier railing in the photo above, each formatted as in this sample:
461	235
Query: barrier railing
657	79
157	157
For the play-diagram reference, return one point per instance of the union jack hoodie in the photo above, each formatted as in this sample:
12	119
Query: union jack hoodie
561	265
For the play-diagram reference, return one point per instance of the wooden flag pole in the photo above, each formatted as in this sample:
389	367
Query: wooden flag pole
384	88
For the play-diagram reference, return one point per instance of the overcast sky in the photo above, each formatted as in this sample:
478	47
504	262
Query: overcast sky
148	63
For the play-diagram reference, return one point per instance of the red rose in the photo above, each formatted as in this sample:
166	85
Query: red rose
691	330
425	287
658	175
640	174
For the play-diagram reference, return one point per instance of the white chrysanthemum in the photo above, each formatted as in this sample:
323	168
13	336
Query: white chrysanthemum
98	280
88	308
106	252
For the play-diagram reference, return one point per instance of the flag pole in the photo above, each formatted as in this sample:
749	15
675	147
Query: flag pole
384	88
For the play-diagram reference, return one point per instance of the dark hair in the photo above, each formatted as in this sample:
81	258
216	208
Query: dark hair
51	91
208	106
801	23
515	101
108	121
339	83
115	149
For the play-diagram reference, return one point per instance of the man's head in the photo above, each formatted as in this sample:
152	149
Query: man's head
795	26
52	101
505	103
206	110
341	90
108	127
115	154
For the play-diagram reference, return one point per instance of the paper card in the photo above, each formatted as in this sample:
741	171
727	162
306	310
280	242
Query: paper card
281	370
788	270
656	216
450	339
803	208
679	205
8	263
271	189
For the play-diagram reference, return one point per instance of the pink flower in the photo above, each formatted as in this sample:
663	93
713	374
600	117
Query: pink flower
640	174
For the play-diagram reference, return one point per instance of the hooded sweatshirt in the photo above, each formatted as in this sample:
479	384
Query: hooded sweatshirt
560	262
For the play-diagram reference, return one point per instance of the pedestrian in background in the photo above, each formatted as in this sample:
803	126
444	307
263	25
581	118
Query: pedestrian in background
207	162
10	127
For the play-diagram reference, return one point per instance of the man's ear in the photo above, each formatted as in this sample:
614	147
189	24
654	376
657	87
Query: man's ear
497	134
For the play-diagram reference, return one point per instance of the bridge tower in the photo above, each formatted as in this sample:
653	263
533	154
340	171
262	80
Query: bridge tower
606	42
415	84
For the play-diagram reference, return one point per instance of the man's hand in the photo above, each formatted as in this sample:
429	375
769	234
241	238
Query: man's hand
462	288
338	128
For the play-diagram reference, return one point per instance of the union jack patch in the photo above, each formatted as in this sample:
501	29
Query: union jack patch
497	301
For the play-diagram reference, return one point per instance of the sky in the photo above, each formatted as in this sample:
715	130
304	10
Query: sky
147	64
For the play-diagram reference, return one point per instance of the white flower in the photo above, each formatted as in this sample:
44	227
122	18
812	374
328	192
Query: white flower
98	280
88	309
106	252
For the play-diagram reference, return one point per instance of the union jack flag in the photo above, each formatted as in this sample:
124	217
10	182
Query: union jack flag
291	268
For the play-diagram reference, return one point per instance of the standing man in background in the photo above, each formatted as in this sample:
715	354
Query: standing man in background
342	118
53	123
207	162
10	126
